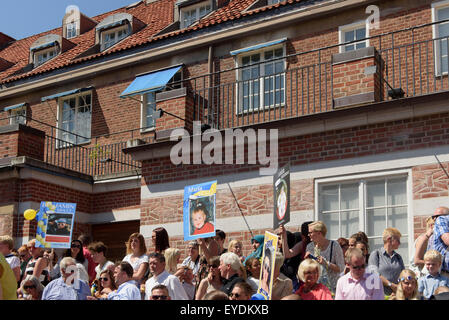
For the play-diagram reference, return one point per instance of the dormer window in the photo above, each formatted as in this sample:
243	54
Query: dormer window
115	28
43	56
191	14
71	30
111	37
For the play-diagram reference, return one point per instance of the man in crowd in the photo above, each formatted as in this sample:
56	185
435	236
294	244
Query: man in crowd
441	237
220	237
358	284
68	286
86	240
229	269
127	290
161	276
160	292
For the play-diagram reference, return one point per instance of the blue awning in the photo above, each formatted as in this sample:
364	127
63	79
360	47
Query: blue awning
150	82
65	93
16	106
259	46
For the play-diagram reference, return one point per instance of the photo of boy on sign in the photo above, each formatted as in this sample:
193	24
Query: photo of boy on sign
200	217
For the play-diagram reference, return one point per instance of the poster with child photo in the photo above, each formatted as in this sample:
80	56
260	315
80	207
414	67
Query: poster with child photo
199	210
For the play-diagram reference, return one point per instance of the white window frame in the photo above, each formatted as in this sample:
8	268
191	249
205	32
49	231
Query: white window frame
143	110
352	27
271	2
47	51
197	7
362	208
60	144
18	115
71	30
125	29
435	7
239	96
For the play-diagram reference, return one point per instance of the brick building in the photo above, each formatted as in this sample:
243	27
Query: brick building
361	112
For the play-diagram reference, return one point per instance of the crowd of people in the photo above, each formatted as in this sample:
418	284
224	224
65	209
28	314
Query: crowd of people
307	266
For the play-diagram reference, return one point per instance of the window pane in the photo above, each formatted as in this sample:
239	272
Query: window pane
397	218
360	33
329	198
443	14
349	36
349	223
397	192
375	192
331	222
349	196
375	222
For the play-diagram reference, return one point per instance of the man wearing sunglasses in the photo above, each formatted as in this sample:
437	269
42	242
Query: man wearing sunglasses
159	292
358	284
441	237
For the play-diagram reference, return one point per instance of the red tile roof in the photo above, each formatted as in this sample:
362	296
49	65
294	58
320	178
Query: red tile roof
156	16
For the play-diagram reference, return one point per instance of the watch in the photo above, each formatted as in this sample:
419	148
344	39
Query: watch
389	284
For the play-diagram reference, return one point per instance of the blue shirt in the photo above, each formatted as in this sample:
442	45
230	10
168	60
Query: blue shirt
387	266
428	284
59	290
441	227
126	291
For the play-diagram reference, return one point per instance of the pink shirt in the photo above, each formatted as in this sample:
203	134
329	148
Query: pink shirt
369	287
319	292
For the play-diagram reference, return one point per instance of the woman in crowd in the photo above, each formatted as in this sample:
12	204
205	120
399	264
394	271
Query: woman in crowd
362	245
407	287
53	265
30	289
136	256
106	284
327	253
213	280
386	261
172	256
257	243
344	244
309	273
193	259
236	246
160	240
253	272
422	244
359	236
76	252
37	265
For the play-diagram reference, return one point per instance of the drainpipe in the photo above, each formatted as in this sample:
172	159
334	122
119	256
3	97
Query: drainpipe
211	109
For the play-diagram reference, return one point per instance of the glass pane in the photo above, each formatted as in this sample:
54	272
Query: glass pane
329	198
349	36
403	250
396	191
375	222
443	14
443	30
375	193
331	222
375	244
350	196
349	47
360	45
349	223
397	218
360	33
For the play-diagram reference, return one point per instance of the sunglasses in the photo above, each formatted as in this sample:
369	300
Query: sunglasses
237	295
406	278
212	266
359	267
29	287
159	297
104	279
75	246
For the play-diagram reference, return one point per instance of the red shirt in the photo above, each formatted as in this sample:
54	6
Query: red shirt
319	292
90	266
206	228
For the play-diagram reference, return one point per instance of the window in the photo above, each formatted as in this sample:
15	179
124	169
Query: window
42	56
75	119
440	12
112	36
149	101
18	115
369	205
71	30
353	32
270	2
261	80
191	14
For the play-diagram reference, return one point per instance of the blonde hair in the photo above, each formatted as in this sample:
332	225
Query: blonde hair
233	243
319	226
400	292
171	259
353	252
278	261
307	265
433	256
8	241
391	233
430	221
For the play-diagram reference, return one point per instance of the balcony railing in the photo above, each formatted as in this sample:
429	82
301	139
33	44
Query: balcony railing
301	84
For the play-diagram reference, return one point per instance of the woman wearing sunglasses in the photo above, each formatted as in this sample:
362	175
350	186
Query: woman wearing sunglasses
76	252
407	286
31	289
213	281
106	284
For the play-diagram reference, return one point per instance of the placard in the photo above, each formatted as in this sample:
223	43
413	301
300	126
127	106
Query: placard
267	268
281	191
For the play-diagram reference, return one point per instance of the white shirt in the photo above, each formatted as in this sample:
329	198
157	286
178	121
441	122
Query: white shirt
99	269
174	286
126	291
